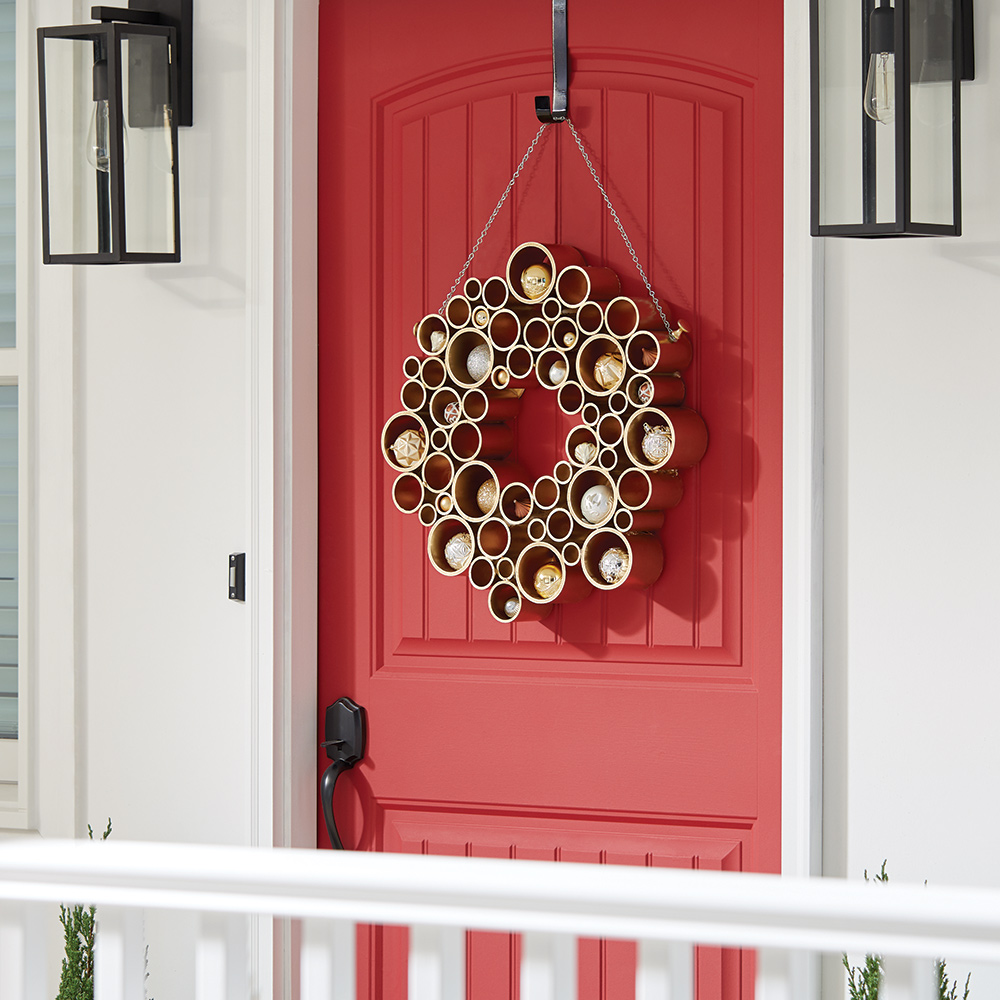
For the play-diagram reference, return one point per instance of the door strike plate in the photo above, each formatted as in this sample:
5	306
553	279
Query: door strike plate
238	576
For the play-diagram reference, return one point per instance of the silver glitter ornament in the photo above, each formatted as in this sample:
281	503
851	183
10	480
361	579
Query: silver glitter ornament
596	503
477	364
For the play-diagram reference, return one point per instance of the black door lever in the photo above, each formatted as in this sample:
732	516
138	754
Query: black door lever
346	733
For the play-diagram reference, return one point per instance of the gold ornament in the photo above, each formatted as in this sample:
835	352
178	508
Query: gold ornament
481	316
585	453
444	503
458	550
486	495
477	364
438	340
596	503
609	371
657	443
614	565
548	580
645	392
535	281
557	372
452	412
502	377
569	338
511	607
409	448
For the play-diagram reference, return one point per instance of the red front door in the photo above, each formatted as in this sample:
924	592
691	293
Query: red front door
638	728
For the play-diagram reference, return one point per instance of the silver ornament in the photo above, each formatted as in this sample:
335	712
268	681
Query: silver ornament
585	453
657	443
438	340
557	372
477	364
452	412
458	550
511	607
614	565
645	392
596	503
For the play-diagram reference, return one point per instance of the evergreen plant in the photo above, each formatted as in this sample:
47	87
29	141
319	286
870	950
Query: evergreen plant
77	980
863	981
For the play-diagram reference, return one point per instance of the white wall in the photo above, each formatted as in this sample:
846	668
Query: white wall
912	554
167	402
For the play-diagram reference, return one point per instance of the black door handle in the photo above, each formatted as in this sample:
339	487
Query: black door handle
346	734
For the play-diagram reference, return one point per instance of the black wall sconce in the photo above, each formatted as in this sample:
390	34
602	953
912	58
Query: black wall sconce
110	97
886	115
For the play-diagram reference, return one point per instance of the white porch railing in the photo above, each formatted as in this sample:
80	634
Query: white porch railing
666	911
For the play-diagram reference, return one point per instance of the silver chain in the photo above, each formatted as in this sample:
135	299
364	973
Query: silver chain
621	229
496	212
607	201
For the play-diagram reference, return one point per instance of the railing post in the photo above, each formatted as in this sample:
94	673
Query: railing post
22	952
908	979
220	963
787	975
328	968
437	963
548	967
119	966
664	971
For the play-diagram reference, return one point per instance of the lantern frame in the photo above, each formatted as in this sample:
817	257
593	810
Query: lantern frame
107	36
962	67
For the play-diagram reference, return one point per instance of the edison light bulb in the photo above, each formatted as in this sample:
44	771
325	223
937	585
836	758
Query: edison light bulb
880	84
880	87
99	130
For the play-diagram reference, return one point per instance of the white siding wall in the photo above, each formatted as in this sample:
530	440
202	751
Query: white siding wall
143	485
912	745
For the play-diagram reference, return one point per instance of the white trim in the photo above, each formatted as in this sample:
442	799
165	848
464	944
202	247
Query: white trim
802	528
731	909
281	562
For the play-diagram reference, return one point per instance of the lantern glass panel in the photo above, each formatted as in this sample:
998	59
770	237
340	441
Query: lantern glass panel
932	110
857	156
841	87
79	190
151	135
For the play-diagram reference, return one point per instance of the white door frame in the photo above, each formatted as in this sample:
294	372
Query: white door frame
802	494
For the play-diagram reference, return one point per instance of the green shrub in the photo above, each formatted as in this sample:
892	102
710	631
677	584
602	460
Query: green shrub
863	981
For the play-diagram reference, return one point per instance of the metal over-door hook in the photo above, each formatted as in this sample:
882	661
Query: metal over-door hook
558	109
